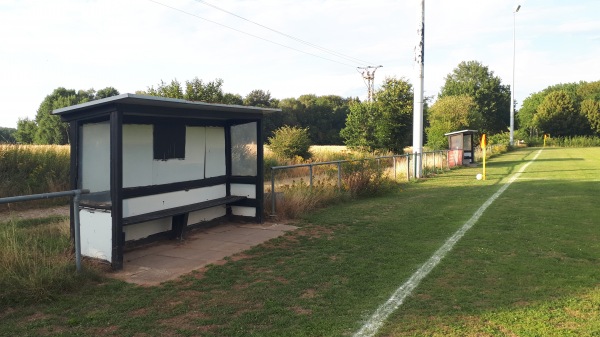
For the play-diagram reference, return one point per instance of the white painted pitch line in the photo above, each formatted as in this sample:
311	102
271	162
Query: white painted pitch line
371	327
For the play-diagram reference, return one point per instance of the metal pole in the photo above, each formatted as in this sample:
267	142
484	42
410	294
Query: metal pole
408	167
272	192
419	92
339	165
76	199
310	170
512	89
395	175
76	194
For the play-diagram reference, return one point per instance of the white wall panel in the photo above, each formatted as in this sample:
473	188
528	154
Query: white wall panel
243	211
145	229
96	234
137	155
95	157
152	203
215	152
244	190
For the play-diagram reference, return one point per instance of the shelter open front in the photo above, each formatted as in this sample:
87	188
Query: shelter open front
155	166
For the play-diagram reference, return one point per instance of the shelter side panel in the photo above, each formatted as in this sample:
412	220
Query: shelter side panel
95	157
215	152
96	234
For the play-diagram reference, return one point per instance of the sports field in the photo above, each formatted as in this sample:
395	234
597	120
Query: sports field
528	264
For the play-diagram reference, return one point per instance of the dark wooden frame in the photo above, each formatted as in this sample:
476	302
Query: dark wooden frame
138	109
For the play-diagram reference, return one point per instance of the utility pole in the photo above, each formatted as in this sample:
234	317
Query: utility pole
368	74
418	93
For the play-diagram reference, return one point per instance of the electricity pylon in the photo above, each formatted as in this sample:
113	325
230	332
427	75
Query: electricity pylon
368	74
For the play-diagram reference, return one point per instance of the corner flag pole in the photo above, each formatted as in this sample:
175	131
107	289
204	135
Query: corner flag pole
484	149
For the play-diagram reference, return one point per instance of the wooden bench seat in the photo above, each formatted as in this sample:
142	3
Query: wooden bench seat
180	214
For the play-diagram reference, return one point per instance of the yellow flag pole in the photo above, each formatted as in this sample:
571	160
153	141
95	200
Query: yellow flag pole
483	149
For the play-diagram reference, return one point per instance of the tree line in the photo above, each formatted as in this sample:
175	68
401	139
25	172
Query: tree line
472	97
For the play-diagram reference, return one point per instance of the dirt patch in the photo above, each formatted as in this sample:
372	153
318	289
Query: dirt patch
36	213
301	311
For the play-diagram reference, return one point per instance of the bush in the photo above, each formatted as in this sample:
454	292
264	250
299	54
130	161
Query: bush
362	178
290	142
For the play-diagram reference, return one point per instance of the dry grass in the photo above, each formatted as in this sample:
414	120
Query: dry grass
35	259
31	169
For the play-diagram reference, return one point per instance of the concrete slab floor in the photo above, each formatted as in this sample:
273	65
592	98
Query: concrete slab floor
169	259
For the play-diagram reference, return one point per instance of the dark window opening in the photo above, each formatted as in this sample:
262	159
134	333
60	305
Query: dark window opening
169	141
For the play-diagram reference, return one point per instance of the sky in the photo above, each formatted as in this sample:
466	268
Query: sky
286	47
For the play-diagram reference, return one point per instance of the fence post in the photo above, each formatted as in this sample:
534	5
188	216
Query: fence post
408	167
339	165
76	199
272	192
394	158
310	171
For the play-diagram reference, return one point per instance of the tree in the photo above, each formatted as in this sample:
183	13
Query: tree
171	90
211	92
290	142
384	125
7	135
451	113
558	116
26	130
106	92
234	99
50	129
260	98
525	115
591	109
359	132
492	97
394	103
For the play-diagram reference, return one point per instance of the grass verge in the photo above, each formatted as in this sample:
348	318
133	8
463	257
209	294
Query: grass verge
534	250
36	262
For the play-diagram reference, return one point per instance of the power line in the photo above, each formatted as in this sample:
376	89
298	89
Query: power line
249	34
333	52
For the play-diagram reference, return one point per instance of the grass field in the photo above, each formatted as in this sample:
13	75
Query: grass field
529	267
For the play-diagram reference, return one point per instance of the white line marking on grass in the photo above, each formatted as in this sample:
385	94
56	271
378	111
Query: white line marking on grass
382	313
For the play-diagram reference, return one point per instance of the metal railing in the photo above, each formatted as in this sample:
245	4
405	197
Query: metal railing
431	159
76	194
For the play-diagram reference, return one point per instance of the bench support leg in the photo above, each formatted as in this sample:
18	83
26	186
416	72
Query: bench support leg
178	226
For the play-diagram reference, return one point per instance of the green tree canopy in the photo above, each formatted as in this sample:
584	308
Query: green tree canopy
359	132
171	90
448	114
591	109
527	112
26	130
48	128
211	92
578	93
558	116
290	142
260	98
384	125
7	135
492	97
